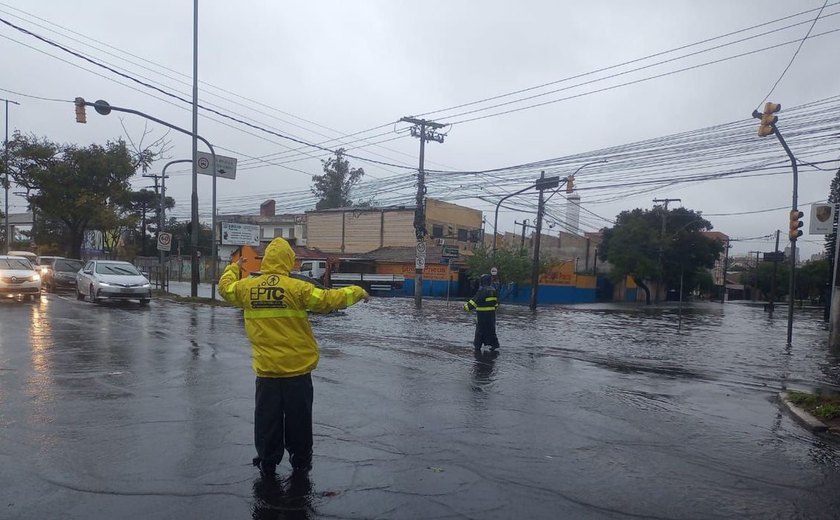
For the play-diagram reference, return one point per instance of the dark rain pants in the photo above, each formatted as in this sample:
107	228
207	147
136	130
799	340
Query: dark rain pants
283	419
485	330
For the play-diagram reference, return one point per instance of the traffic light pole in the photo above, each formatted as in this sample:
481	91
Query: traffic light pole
104	108
794	203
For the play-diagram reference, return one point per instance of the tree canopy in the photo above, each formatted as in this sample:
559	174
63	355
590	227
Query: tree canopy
333	187
70	184
637	246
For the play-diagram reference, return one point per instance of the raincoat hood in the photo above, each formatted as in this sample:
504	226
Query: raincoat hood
279	258
485	279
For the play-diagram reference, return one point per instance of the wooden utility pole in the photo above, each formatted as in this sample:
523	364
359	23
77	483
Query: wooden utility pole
425	131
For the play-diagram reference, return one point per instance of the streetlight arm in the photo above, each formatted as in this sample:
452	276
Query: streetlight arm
496	217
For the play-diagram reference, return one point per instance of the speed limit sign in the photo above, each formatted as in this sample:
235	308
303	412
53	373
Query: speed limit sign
164	241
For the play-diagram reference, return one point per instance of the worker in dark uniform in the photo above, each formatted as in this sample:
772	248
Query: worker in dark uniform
485	302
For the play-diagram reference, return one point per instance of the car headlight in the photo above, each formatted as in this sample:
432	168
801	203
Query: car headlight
104	284
35	277
146	285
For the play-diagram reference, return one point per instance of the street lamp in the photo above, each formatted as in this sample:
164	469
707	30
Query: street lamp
6	180
104	108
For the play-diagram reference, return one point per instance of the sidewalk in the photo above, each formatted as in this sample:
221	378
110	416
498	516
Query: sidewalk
183	289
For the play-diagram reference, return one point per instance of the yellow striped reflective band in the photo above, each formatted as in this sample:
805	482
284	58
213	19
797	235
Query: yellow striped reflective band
472	303
491	299
315	296
485	309
275	313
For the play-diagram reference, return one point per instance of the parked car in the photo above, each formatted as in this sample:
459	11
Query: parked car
112	279
61	274
32	257
18	278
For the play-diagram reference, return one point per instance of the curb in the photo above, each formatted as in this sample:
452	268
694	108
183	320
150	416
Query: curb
805	418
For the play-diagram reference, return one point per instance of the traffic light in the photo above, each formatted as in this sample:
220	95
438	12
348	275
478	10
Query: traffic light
81	117
570	183
768	119
795	224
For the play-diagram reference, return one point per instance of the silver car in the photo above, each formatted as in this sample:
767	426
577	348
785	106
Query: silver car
18	278
112	279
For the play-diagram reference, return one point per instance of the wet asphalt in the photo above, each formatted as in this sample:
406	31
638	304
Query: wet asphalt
595	411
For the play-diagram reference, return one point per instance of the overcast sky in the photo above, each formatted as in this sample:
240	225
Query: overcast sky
319	70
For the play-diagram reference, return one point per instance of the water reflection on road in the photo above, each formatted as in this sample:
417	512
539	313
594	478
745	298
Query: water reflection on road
588	412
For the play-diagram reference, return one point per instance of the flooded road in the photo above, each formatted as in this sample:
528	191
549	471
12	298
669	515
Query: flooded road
598	411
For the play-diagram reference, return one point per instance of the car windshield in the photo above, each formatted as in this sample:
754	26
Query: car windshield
69	266
15	263
124	269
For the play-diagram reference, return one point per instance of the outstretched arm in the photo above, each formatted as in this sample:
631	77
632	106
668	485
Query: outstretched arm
327	300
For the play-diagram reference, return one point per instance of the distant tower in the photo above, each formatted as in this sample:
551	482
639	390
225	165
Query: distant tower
573	213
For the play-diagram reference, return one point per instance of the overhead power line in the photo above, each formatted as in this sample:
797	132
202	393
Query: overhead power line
184	100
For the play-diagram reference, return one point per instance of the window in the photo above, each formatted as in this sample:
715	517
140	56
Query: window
463	235
437	231
306	266
278	232
291	233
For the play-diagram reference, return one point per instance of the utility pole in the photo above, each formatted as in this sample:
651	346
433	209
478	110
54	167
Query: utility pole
542	184
160	190
194	274
664	203
6	180
725	268
755	274
425	131
525	224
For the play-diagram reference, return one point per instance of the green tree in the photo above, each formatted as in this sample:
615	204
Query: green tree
636	246
334	186
513	263
811	279
70	184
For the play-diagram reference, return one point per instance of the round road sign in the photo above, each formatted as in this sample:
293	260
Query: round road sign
203	163
421	248
494	271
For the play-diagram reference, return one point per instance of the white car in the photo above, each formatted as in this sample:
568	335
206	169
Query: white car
112	279
18	278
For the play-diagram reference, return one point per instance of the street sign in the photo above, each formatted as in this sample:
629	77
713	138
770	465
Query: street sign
774	257
822	219
164	241
420	262
234	234
494	271
547	183
225	166
450	252
421	248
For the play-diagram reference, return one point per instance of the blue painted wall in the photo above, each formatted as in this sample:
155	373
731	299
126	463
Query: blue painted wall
520	295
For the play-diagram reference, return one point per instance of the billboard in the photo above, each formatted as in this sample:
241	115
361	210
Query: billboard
234	234
822	219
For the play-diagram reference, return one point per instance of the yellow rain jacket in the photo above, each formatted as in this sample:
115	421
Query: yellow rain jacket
276	308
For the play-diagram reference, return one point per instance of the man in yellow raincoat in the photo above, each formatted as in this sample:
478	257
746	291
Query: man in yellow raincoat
284	351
